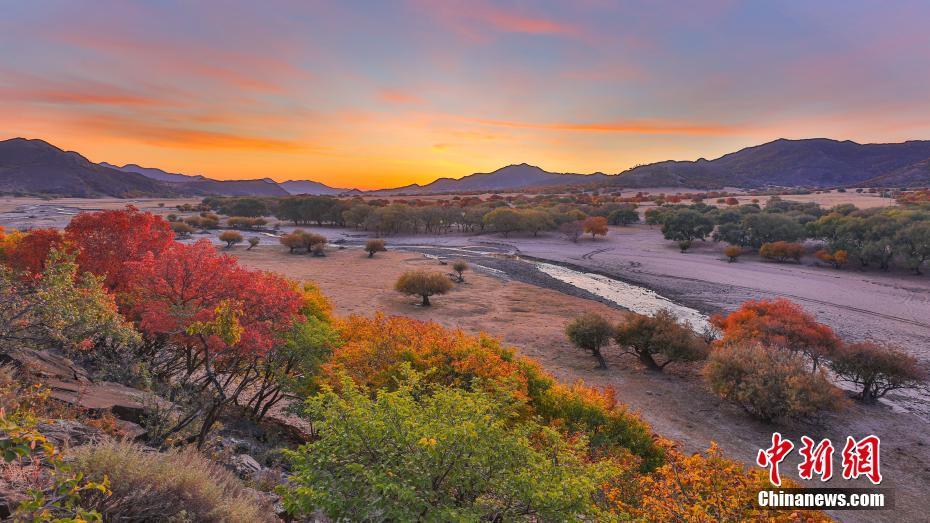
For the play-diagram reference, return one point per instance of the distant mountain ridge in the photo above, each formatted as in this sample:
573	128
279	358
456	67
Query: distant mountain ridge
814	162
35	167
511	177
31	167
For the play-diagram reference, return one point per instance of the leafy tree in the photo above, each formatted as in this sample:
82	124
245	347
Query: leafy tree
765	227
231	238
877	369
423	283
248	207
504	220
781	251
769	384
686	225
373	246
535	220
572	230
596	225
914	241
208	324
684	245
444	454
731	233
780	324
459	267
732	252
60	308
109	240
28	252
590	332
253	242
661	334
623	215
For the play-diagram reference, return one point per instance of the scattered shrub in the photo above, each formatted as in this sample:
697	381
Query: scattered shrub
373	246
684	245
769	384
164	486
590	332
660	334
837	258
459	267
732	252
781	251
231	238
300	239
423	283
253	242
877	369
182	230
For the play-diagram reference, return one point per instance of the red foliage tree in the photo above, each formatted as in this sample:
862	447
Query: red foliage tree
778	323
109	239
29	252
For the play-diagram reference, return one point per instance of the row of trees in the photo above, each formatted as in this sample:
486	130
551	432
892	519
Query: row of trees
769	358
518	215
868	237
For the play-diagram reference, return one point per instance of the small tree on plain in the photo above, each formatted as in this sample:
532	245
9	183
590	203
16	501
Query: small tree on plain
572	230
596	226
253	241
231	238
876	369
590	332
423	283
660	334
373	246
732	252
460	266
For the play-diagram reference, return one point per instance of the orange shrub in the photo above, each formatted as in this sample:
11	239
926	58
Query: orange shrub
782	251
375	348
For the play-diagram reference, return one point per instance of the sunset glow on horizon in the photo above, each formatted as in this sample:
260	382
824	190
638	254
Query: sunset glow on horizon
382	94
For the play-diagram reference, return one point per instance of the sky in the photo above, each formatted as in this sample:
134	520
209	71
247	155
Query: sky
382	94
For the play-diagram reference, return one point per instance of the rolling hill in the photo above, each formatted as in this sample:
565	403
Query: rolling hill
817	162
511	177
35	167
197	185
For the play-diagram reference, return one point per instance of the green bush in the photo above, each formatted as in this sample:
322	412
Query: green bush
445	454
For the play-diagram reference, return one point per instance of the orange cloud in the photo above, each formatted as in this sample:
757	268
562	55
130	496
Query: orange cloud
475	17
399	97
188	138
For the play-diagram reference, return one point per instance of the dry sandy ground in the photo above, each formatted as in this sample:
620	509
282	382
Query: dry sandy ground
676	404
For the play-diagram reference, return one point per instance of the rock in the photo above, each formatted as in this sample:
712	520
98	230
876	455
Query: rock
68	433
44	364
124	402
244	465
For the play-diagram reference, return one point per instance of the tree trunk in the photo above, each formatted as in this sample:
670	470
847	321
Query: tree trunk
371	254
647	360
425	300
601	362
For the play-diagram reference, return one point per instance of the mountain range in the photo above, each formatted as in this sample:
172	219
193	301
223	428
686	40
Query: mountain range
35	167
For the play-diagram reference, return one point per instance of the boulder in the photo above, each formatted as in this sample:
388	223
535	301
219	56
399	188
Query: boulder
243	465
65	433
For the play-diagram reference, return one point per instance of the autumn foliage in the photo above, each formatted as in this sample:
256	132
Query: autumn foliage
596	226
108	240
782	251
27	252
779	323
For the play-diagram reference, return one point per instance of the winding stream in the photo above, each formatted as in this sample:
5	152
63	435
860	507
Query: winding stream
637	299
